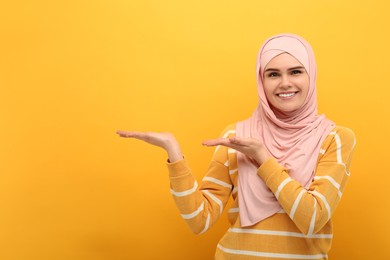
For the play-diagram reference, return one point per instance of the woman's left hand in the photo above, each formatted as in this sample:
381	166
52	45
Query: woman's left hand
251	147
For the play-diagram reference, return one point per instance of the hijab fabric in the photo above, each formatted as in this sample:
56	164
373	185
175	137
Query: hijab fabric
294	139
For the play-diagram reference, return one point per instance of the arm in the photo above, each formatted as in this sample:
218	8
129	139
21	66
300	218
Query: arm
311	209
200	206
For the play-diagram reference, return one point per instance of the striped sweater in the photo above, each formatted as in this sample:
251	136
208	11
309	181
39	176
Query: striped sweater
301	230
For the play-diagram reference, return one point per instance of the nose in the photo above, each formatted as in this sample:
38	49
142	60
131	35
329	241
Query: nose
285	82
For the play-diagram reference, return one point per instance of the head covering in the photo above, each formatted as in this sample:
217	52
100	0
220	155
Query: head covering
293	138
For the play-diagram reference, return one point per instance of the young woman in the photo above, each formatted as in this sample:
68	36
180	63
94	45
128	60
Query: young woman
286	167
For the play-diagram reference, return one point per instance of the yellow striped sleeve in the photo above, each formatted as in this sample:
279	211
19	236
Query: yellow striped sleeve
201	206
311	209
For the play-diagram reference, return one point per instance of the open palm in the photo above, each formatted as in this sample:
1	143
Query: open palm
165	140
251	147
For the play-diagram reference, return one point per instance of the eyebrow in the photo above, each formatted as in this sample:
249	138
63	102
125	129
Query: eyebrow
293	68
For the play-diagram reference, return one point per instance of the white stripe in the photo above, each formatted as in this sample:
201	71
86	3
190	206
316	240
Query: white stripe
354	143
226	163
296	202
281	186
195	213
207	224
235	189
228	133
215	199
281	211
334	183
211	179
313	218
234	210
186	192
338	150
233	171
278	233
272	255
230	150
322	151
322	197
343	164
347	173
216	149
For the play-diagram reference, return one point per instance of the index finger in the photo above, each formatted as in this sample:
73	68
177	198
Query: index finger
215	142
129	134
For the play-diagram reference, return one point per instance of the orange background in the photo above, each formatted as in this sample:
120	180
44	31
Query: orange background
72	72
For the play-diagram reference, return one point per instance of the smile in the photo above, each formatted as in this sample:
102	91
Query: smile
287	95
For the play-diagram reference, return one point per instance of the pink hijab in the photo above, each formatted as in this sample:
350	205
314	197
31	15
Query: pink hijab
293	139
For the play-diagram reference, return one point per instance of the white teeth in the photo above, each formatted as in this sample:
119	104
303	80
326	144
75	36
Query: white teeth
286	95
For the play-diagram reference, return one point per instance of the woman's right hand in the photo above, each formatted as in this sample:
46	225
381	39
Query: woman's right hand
165	140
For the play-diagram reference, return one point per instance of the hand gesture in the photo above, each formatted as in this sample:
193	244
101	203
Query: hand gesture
165	140
251	147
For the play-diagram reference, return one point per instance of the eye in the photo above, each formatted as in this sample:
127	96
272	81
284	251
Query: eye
294	72
272	74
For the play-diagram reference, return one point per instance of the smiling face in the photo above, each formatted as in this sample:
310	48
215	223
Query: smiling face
286	83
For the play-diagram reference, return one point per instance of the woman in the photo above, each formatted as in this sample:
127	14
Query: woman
286	167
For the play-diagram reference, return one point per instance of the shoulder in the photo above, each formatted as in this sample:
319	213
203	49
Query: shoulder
339	144
343	135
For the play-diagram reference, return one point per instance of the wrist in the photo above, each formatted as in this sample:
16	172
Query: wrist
174	152
263	156
174	156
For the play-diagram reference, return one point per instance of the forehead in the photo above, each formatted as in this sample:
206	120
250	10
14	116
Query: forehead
283	61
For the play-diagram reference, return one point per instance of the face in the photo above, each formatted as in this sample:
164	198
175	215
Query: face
286	83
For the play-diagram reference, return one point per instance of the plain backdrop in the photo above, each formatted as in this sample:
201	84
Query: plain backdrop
73	72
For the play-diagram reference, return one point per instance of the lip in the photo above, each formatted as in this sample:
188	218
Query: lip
294	93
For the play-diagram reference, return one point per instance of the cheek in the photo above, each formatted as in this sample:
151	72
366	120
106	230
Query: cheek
268	90
307	86
304	84
305	91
